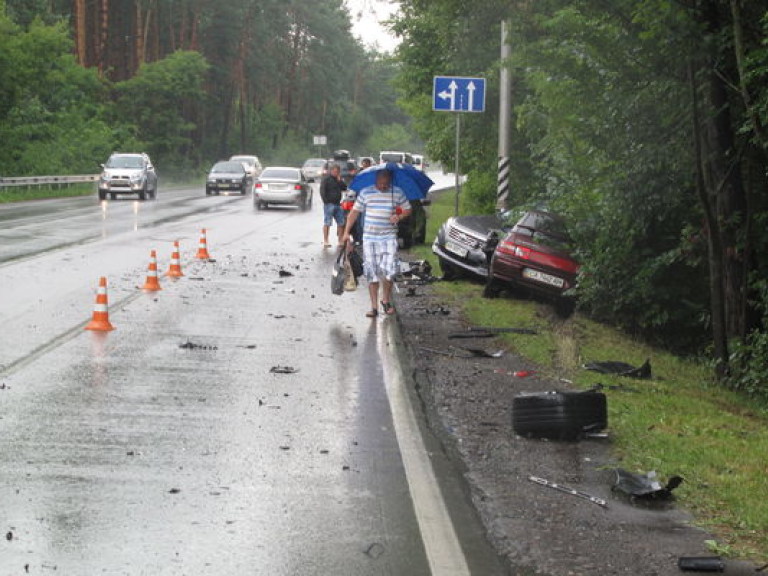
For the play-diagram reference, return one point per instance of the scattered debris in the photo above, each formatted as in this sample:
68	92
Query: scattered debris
9	536
523	373
174	490
621	369
4	387
701	564
645	486
196	278
480	353
435	311
324	451
188	345
375	550
457	335
494	330
285	448
284	273
249	347
283	370
571	491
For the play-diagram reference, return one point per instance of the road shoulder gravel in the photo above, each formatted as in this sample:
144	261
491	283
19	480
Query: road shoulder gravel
535	529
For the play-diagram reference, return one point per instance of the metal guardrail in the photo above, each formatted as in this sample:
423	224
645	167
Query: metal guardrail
7	182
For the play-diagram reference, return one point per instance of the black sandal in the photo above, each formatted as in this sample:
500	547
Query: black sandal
372	313
389	308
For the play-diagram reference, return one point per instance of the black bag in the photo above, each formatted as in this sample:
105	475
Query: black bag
337	276
356	261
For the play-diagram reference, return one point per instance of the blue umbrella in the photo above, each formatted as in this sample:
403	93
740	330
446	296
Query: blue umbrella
414	183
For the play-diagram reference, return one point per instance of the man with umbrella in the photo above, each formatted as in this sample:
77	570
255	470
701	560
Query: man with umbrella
384	205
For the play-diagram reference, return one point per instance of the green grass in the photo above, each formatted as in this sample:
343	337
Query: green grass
680	422
22	193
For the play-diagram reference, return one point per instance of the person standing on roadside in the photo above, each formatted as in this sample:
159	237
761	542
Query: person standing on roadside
332	188
383	205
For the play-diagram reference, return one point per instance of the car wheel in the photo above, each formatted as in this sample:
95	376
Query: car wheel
143	194
492	288
112	196
208	192
559	415
102	195
243	190
565	307
450	272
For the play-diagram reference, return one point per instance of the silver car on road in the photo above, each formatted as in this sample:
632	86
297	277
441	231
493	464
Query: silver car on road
282	185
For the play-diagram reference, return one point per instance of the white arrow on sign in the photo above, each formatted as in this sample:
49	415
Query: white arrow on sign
446	95
471	98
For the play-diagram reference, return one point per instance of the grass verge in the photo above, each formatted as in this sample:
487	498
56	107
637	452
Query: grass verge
24	193
680	422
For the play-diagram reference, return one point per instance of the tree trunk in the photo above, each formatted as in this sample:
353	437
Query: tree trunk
103	35
80	24
714	244
139	35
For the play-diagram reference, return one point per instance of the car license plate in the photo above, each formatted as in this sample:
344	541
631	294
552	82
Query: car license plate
543	278
457	249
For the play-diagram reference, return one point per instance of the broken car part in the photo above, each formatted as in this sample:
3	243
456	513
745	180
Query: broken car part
621	369
559	415
701	564
645	485
571	491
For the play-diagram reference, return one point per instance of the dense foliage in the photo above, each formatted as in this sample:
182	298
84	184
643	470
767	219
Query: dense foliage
188	81
643	121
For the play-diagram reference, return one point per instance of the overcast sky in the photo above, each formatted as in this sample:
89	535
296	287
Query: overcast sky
367	16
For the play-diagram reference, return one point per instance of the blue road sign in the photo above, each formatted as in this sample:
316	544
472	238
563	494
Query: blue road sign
454	94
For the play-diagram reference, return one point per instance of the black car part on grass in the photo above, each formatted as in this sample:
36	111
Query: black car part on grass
642	372
701	564
645	486
559	415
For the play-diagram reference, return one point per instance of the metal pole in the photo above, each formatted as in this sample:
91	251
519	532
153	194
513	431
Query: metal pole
505	112
456	164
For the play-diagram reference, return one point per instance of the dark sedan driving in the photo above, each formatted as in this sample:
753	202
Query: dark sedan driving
228	176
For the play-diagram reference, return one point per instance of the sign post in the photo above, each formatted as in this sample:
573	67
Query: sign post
458	94
319	141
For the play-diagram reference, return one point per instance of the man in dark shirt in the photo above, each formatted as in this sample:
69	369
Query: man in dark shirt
331	191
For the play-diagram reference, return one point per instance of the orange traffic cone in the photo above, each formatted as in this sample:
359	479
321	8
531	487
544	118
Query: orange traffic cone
153	283
175	270
100	321
202	251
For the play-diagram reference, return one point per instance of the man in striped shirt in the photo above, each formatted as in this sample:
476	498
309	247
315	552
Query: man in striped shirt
384	205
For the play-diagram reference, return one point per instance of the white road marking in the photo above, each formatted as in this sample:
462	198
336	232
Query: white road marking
444	553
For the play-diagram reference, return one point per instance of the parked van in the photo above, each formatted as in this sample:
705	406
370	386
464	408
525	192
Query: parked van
395	156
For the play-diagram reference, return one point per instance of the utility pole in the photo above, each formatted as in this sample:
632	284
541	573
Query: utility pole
505	113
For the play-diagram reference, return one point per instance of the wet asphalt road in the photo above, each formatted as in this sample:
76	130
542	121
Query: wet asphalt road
168	446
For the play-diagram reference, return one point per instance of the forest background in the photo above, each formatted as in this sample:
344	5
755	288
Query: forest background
642	121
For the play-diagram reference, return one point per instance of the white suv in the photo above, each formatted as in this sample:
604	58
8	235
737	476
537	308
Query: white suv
128	174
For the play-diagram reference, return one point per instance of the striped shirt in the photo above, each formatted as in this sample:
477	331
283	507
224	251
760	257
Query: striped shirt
378	207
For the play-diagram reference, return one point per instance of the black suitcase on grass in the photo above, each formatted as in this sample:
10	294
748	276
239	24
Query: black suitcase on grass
559	415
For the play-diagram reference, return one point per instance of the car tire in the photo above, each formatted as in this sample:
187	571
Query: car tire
112	196
559	415
143	193
450	272
565	307
493	288
102	195
243	190
208	192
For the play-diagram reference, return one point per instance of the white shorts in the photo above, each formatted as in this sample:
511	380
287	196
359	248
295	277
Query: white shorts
380	259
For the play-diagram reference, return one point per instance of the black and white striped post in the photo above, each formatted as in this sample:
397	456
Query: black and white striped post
505	112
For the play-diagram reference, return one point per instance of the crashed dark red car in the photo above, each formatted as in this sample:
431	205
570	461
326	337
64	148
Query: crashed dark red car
536	257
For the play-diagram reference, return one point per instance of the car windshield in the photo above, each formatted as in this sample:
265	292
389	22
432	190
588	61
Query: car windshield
280	174
228	167
314	163
125	162
244	159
